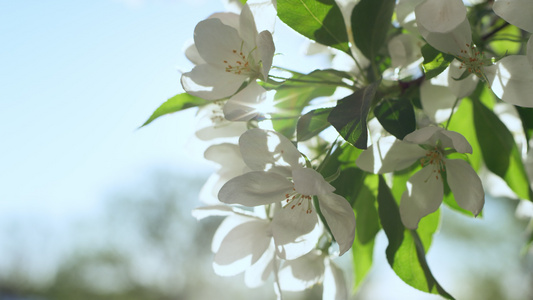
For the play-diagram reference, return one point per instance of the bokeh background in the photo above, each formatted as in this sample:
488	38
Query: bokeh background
92	207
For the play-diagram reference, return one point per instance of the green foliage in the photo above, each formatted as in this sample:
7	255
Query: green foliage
350	114
499	150
312	123
397	116
406	250
320	21
370	25
296	93
174	104
435	62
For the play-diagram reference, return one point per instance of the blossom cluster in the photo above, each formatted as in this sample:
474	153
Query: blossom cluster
417	108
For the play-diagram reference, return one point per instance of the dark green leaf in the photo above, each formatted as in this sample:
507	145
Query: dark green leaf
406	250
312	123
174	104
320	21
350	114
435	61
526	115
397	116
499	150
371	20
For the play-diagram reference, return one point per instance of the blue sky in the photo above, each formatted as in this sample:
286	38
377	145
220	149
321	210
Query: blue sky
76	80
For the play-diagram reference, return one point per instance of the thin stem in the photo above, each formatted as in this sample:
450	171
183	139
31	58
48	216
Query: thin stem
494	31
451	113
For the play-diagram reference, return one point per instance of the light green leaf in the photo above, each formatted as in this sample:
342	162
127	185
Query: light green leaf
312	123
406	249
174	104
435	62
499	150
371	20
320	21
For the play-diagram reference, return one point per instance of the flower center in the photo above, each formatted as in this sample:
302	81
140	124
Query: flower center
238	63
294	199
435	160
473	60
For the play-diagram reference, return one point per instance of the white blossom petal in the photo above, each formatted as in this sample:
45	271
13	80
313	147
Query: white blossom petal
216	42
214	210
340	218
242	247
192	53
211	124
247	28
517	12
269	150
295	231
404	49
309	182
437	100
451	42
227	225
440	15
388	155
510	79
255	188
423	196
227	18
335	287
405	13
243	105
211	83
465	185
259	272
302	273
266	48
454	140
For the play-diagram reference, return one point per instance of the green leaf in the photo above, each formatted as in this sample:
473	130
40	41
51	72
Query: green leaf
362	259
292	96
350	114
435	62
526	115
312	123
371	20
463	123
499	150
406	249
320	21
174	104
397	116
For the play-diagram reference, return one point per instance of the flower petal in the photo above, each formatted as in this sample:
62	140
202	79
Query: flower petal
242	247
259	272
309	182
423	196
340	218
216	42
517	12
335	287
269	150
302	273
465	185
454	140
211	123
451	42
440	16
211	83
243	105
388	154
510	79
255	188
247	28
266	48
295	231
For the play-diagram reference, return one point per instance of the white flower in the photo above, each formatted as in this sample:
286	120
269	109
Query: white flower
229	159
229	57
315	267
278	175
425	189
